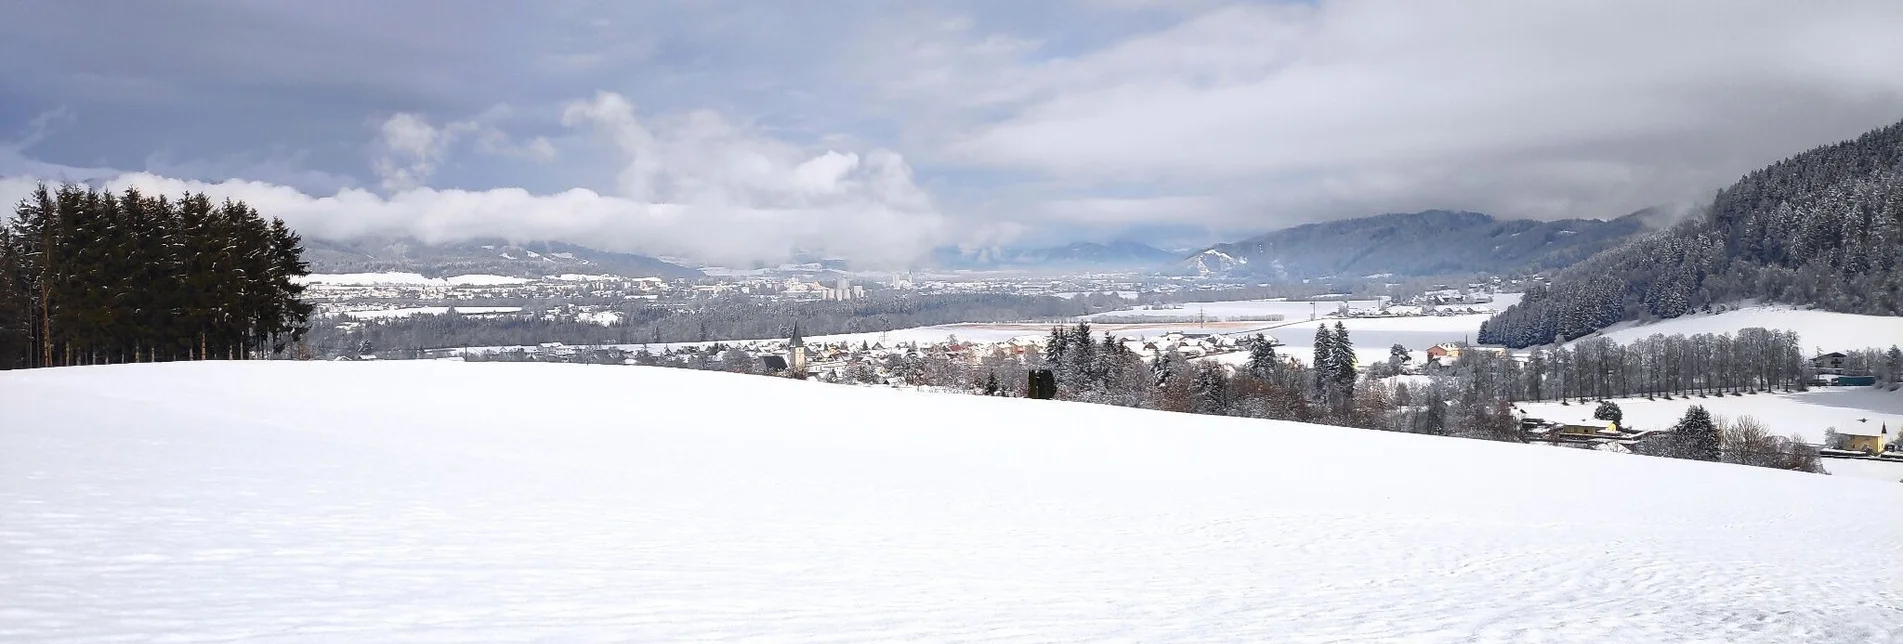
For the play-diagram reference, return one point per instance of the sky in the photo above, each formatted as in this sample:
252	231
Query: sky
728	132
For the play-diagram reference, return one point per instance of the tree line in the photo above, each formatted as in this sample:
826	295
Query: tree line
89	276
1823	228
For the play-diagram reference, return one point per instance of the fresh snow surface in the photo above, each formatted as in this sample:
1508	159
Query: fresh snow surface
369	279
429	310
1291	311
1886	470
408	279
1805	413
486	280
433	501
1374	338
1818	330
604	318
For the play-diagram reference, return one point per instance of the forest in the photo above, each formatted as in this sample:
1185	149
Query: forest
1823	228
93	277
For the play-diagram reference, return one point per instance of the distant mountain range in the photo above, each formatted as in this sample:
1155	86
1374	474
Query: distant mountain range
482	256
1434	242
1122	255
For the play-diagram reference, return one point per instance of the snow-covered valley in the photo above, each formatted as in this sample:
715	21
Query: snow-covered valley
445	501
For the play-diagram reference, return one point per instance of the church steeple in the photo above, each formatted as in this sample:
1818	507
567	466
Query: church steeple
796	353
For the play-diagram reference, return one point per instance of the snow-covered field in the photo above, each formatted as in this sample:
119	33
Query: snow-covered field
1886	470
429	310
1290	311
408	279
1820	330
434	501
1805	413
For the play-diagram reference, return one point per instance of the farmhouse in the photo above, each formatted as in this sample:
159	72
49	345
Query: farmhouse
1864	440
1829	364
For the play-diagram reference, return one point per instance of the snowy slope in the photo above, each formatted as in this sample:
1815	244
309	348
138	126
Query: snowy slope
1819	330
1805	413
433	501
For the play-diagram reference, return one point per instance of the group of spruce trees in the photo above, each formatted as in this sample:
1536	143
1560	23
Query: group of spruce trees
1823	228
92	277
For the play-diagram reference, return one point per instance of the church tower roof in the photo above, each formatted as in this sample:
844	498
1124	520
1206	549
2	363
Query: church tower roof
796	341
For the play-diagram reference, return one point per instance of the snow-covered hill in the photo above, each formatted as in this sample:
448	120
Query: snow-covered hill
1819	330
445	501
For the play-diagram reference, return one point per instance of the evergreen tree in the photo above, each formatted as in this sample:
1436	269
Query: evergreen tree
1343	361
91	277
1210	388
1609	410
1697	434
1262	359
1398	356
1324	363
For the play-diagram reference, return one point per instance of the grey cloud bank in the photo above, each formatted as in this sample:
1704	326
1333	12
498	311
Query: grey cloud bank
732	132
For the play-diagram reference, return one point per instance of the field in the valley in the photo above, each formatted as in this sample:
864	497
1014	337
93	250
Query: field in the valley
446	501
1806	413
1820	331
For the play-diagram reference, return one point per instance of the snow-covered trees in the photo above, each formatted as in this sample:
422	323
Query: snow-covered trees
1823	228
1745	441
1697	435
1262	359
1334	367
1609	410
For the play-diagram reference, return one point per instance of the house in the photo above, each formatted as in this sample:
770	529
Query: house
1444	352
773	364
1863	440
1829	363
1572	429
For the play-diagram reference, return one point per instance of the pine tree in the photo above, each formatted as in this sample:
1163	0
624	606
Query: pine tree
1324	363
1262	359
1697	434
1210	388
1609	410
90	277
1343	360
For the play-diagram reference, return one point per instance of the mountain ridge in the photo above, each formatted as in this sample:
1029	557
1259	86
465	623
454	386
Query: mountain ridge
1821	228
1121	254
1428	242
487	256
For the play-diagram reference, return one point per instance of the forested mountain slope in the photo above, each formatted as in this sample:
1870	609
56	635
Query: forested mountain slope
1433	242
1080	255
1823	228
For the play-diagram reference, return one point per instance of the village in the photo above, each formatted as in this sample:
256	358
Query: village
883	359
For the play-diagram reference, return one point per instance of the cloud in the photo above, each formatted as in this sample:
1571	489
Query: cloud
694	185
1293	112
409	148
962	121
